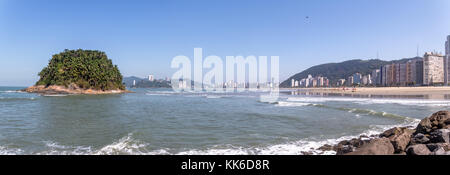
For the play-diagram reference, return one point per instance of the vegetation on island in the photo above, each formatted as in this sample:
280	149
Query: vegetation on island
88	69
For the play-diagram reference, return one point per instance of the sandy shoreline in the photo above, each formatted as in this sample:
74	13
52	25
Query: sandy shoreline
431	92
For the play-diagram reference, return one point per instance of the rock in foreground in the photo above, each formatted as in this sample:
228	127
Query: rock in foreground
430	137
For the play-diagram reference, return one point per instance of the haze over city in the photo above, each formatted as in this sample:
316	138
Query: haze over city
143	36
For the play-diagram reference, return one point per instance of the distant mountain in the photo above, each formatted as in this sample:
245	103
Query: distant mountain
145	83
336	71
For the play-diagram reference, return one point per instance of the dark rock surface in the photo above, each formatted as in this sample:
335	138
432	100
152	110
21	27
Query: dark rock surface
379	146
420	149
430	137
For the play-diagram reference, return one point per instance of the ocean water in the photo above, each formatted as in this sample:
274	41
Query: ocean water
160	121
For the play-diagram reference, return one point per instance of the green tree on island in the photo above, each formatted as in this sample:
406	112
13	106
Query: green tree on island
88	69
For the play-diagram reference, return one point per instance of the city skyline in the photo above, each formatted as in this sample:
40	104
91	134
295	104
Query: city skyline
142	37
430	70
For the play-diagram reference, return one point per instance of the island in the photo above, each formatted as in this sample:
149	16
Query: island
79	72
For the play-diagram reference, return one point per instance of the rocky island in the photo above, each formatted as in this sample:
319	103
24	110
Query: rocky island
79	72
430	137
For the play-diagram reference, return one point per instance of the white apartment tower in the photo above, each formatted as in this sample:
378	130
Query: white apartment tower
151	78
433	68
447	61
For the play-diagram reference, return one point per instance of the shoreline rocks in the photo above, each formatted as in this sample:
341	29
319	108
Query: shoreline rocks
430	137
71	89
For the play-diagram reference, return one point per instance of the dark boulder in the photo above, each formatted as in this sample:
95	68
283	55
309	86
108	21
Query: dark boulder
399	137
326	147
440	151
348	146
439	120
419	139
419	149
440	136
379	146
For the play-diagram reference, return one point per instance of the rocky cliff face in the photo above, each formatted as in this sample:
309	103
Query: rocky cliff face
430	137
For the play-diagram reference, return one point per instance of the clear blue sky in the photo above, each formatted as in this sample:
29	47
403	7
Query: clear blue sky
142	37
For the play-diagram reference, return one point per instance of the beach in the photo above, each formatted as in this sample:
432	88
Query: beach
427	92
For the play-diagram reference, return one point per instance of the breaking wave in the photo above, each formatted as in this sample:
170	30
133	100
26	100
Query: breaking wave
124	146
55	95
414	102
11	91
356	111
8	99
290	104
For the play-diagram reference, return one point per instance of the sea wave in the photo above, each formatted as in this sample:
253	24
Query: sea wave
11	91
290	104
213	96
4	150
8	99
374	113
300	147
124	146
56	95
131	146
409	102
357	111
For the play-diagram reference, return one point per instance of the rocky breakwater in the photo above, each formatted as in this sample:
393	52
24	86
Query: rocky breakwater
430	137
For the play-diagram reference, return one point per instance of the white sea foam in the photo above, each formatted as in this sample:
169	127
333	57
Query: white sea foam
292	104
213	96
10	91
124	146
310	146
55	95
10	151
157	94
17	98
414	102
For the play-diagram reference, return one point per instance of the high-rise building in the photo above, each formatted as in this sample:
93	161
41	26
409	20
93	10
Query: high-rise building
366	80
350	81
388	75
447	46
293	83
314	83
357	78
341	82
411	72
419	72
383	76
433	68
402	74
447	61
375	77
151	78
